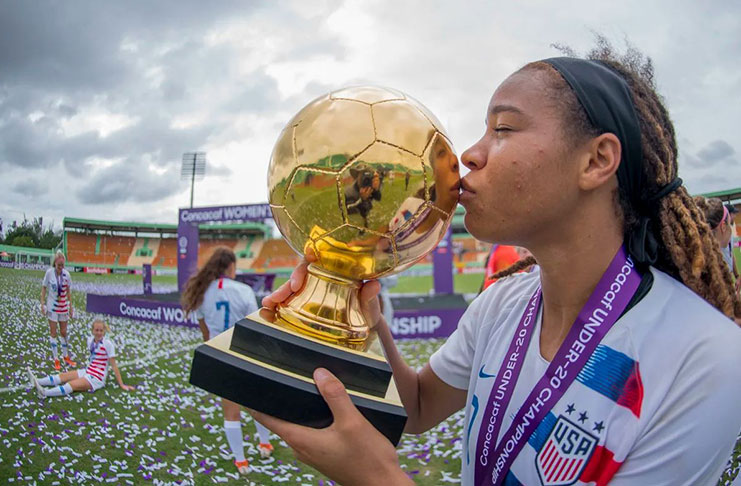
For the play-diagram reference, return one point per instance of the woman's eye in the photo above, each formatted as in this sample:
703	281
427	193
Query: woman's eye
502	129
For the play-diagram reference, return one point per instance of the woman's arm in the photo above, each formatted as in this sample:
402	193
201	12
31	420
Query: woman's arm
204	329
43	299
112	362
427	399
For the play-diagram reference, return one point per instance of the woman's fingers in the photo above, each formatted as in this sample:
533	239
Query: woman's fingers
278	296
298	276
369	291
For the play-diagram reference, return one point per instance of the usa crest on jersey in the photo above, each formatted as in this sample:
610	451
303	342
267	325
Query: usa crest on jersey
565	453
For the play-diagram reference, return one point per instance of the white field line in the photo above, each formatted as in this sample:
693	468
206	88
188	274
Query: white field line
122	365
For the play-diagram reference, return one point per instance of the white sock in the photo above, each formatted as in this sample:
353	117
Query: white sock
233	431
53	342
50	380
65	348
58	391
263	433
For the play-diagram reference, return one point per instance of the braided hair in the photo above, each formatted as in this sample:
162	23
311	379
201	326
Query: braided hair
688	250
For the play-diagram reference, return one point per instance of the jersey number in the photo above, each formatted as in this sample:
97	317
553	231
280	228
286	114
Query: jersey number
225	305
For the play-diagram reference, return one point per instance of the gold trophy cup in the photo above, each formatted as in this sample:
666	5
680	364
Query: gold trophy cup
366	180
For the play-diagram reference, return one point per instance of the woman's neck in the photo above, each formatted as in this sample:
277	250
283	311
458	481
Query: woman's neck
569	273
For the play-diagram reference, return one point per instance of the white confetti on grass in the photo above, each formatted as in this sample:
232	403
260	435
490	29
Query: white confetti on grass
167	431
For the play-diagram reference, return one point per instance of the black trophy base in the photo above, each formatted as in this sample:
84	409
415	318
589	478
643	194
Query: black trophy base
220	368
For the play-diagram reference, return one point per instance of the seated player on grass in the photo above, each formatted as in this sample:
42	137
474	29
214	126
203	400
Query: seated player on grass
102	354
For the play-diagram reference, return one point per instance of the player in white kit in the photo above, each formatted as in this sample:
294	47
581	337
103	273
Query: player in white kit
56	306
218	302
616	361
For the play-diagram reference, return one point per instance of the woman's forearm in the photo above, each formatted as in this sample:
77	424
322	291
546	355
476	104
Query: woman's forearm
405	377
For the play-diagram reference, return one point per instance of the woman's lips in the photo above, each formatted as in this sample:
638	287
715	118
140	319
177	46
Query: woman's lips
466	191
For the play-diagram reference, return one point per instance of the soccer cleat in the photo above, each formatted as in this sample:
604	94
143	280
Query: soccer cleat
57	365
242	466
35	384
266	450
69	362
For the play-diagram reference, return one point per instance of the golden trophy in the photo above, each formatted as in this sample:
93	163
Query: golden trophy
366	180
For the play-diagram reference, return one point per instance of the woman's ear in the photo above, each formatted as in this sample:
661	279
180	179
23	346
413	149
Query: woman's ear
599	160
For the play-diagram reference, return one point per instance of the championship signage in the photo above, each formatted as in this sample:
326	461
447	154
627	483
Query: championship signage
424	323
190	218
139	309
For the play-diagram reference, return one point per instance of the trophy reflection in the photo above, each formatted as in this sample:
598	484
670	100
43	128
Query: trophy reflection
366	181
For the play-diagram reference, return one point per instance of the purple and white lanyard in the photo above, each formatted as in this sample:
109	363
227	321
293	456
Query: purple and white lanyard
60	281
603	308
94	348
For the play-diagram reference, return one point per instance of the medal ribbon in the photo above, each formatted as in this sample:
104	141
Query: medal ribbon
603	308
60	281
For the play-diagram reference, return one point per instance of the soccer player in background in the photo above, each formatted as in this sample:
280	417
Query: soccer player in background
616	361
218	302
56	306
102	354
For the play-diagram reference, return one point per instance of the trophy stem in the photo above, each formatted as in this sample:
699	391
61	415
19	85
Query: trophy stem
327	307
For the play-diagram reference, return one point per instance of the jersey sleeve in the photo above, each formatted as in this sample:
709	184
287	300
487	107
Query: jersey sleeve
199	313
246	301
452	362
110	348
692	433
47	279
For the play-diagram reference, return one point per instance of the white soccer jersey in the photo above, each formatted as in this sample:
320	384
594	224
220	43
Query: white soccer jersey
656	404
100	353
225	302
57	290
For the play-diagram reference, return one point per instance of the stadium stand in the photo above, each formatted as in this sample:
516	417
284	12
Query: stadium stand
143	252
127	245
275	254
166	255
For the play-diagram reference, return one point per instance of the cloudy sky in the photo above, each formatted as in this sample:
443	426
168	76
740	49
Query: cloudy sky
98	100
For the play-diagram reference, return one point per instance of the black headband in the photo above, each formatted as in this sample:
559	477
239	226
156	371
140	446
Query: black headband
605	96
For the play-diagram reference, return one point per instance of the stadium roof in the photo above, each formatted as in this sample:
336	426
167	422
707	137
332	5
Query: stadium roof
136	227
97	224
727	195
23	250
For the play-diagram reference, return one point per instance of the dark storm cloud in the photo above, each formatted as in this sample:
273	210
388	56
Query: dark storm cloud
76	47
146	61
31	187
129	180
715	152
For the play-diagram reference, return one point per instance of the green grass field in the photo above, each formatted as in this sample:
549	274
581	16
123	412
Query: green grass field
167	431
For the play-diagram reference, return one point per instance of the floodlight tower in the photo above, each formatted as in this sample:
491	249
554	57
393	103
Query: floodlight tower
194	166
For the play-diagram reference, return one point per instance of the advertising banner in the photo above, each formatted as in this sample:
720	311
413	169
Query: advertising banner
147	278
139	309
425	323
187	252
190	218
96	270
223	214
442	262
24	266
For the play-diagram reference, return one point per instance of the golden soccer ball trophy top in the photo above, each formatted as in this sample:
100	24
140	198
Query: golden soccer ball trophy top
365	181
